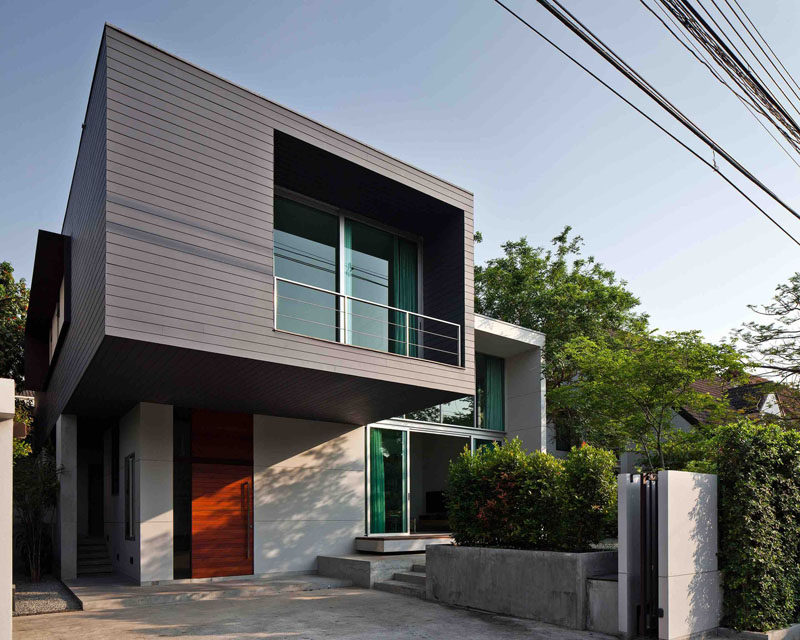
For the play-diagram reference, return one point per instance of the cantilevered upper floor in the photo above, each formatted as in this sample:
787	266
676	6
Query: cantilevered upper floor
221	251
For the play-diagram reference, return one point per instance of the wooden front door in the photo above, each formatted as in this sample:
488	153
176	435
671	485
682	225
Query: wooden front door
222	494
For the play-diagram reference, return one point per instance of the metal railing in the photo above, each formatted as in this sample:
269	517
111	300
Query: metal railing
329	315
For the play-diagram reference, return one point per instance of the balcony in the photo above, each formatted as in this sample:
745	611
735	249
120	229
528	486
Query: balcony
319	313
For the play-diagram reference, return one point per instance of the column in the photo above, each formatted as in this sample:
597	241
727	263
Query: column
525	399
67	529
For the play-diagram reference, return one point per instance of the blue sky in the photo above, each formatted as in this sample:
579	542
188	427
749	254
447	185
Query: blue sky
460	89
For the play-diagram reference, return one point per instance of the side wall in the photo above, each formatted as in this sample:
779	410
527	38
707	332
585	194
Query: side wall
525	401
309	481
146	432
84	223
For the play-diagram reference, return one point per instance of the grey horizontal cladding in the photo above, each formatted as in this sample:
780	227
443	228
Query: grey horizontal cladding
139	112
239	236
288	121
84	224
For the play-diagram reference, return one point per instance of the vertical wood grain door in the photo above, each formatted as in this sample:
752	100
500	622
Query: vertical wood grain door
222	494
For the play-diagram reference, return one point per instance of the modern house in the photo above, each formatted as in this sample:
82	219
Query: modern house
253	341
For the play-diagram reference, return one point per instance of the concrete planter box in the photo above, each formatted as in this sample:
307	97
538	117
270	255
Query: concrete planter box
790	633
548	586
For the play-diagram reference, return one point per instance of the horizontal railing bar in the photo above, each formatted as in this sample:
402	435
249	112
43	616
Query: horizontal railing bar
376	304
359	315
322	324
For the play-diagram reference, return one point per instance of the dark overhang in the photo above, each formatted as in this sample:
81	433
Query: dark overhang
50	266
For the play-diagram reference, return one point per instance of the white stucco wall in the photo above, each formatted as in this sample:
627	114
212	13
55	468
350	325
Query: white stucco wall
146	432
309	491
6	476
688	578
525	401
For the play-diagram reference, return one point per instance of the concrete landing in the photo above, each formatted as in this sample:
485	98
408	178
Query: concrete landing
102	593
401	544
365	569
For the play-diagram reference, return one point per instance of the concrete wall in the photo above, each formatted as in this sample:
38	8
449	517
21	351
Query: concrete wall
688	578
309	482
66	546
146	432
541	585
6	483
525	401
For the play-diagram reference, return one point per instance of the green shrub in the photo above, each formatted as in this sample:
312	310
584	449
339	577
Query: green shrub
758	469
507	497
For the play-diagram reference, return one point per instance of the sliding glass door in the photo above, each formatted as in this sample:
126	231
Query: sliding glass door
380	268
388	481
307	252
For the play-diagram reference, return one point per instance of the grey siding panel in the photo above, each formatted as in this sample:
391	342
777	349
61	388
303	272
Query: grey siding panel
126	48
190	214
84	224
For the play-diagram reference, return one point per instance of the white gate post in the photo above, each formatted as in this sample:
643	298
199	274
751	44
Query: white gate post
6	503
689	588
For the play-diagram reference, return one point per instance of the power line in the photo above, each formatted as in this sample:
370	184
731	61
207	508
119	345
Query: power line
751	107
658	125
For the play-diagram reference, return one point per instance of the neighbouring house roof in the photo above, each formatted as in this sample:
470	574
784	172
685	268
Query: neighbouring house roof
749	398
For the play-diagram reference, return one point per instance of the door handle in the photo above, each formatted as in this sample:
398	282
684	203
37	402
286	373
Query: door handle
247	514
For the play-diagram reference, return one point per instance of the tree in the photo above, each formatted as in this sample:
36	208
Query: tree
631	384
36	485
563	294
13	312
775	343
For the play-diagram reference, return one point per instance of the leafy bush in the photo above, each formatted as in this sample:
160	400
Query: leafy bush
758	469
507	497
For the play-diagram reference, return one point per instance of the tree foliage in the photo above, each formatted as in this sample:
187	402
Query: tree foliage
13	311
631	384
774	343
557	291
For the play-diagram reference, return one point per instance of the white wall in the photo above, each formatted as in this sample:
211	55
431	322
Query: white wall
689	588
6	477
525	401
146	432
309	491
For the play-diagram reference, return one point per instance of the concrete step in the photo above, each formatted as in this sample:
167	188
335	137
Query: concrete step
93	569
89	562
419	568
402	588
411	577
131	596
93	555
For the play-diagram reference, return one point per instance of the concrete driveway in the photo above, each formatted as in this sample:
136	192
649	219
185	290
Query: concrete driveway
346	613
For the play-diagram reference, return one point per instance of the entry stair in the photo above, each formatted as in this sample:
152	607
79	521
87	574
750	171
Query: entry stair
93	557
407	583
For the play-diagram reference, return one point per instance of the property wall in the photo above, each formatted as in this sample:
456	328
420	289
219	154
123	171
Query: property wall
689	589
6	472
309	480
146	432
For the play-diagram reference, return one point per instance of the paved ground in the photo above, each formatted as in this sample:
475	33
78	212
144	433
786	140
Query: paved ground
47	596
337	614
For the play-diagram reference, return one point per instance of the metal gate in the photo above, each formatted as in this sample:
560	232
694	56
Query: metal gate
648	611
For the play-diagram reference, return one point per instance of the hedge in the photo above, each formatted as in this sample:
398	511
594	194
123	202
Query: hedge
758	468
503	496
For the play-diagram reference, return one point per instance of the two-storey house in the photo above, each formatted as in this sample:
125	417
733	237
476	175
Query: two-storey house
253	340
